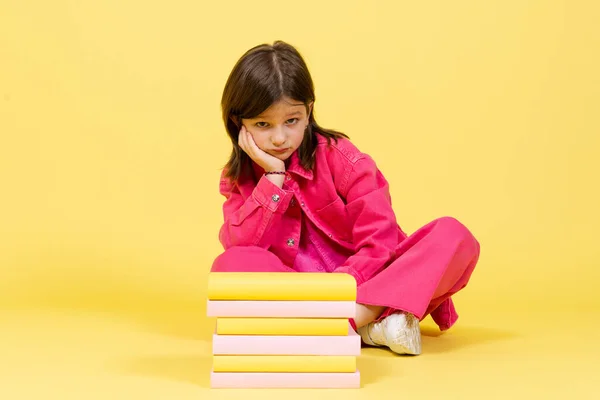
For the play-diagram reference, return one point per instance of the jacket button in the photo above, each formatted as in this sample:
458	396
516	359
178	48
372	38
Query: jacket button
290	242
275	197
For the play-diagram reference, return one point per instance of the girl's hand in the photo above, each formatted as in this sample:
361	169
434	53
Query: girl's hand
265	160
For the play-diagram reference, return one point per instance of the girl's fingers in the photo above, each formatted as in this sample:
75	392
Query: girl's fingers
248	143
251	142
250	146
242	139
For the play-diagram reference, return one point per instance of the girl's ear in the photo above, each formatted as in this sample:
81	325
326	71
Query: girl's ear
310	107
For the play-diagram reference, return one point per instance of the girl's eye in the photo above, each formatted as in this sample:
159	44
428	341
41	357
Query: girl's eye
262	124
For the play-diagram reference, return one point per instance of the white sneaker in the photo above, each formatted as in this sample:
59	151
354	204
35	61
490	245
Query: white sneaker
399	331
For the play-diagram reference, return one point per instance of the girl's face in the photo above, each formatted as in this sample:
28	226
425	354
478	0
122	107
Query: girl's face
279	130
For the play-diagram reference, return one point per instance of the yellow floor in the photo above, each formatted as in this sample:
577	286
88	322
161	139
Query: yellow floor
165	355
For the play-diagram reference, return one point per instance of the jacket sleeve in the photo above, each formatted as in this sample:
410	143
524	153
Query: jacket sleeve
374	226
248	219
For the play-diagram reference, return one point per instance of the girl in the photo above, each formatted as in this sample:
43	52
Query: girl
299	197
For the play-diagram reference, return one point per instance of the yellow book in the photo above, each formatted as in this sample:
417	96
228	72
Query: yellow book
281	286
284	363
283	326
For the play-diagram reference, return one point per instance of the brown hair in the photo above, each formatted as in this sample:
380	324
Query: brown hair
262	76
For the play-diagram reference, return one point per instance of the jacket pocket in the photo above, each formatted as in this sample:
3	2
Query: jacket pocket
335	219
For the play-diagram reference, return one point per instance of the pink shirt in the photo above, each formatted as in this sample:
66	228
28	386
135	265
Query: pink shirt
338	218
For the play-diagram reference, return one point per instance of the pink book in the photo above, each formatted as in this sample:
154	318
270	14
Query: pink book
280	309
313	380
287	345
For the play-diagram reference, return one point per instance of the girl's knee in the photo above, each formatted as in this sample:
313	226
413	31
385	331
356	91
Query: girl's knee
452	224
457	229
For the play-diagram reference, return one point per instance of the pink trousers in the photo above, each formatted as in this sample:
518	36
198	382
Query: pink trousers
429	267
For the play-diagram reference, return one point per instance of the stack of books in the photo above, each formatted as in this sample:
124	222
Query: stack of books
287	330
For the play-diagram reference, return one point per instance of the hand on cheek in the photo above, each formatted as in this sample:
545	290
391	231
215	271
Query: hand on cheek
265	160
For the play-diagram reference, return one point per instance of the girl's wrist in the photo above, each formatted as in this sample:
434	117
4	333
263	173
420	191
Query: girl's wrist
275	178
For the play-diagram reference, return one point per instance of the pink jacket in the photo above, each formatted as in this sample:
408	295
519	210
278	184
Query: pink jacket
346	198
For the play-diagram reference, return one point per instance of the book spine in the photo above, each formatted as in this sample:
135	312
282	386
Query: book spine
349	345
282	326
281	286
281	309
266	363
288	380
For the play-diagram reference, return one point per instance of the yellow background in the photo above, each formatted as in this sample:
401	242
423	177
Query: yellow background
112	142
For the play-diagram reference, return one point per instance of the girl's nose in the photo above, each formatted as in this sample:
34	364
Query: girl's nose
278	137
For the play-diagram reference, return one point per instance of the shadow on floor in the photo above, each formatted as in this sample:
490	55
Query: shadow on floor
371	368
460	337
456	339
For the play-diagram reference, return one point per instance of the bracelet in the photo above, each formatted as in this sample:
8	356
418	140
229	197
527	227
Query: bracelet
275	173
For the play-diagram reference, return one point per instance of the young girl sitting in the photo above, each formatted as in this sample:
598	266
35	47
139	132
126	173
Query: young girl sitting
299	197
